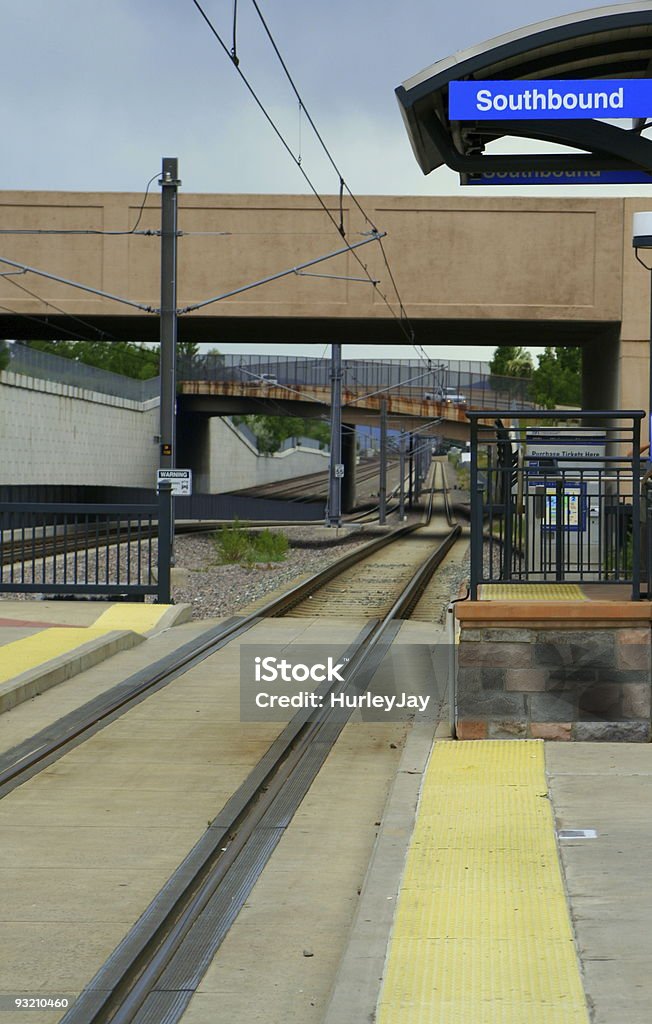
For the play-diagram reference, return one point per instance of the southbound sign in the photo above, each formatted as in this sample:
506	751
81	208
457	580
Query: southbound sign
624	177
549	99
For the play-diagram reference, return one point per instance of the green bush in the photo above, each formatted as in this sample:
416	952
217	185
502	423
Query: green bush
234	545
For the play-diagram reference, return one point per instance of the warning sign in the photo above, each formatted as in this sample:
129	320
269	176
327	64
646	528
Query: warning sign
181	480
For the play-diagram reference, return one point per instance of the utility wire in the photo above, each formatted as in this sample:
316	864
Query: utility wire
44	322
342	181
297	162
142	205
89	231
104	336
309	118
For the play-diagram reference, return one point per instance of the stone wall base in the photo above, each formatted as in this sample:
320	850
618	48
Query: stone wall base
558	671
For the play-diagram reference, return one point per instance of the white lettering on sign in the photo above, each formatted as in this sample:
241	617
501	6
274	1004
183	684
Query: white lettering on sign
180	479
595	100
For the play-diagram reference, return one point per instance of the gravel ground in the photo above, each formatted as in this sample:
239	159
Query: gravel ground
216	590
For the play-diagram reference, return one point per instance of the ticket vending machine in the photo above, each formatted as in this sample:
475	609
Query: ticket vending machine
564	500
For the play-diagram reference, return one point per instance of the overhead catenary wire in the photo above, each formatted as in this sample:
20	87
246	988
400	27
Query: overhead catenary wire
78	285
90	231
342	182
45	322
103	335
298	163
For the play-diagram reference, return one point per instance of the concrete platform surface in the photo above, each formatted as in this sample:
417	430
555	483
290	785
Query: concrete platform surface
43	643
118	813
499	917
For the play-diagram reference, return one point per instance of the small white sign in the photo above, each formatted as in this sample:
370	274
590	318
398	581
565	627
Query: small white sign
181	480
339	470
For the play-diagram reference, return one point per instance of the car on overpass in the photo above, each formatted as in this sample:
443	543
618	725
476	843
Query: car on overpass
448	396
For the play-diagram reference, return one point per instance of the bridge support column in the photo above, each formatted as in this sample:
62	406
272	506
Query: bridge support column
194	451
349	452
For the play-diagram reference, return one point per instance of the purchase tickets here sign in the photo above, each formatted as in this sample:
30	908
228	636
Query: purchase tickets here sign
550	99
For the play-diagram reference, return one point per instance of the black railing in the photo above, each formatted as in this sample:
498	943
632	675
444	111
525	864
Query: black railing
555	498
464	382
86	549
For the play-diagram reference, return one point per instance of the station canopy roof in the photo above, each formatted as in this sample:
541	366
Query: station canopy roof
603	43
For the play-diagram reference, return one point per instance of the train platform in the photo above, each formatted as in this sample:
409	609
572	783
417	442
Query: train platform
43	643
509	883
508	880
616	592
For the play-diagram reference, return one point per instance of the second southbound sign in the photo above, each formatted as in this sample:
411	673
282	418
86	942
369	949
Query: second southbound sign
549	99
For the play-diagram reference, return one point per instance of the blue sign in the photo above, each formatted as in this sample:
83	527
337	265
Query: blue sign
549	99
561	178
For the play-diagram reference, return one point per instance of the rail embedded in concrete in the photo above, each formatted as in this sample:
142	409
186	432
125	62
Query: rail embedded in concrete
155	970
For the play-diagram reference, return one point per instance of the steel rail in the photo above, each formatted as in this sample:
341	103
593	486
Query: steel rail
13	553
25	760
153	973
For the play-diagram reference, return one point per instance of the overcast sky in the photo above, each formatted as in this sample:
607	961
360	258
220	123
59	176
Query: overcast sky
96	92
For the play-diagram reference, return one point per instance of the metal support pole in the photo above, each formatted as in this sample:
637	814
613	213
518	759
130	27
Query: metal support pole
401	485
334	507
419	470
560	526
452	668
382	490
636	509
164	512
649	401
169	183
476	516
411	472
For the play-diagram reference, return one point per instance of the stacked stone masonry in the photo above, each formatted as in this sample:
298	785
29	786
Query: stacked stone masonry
554	683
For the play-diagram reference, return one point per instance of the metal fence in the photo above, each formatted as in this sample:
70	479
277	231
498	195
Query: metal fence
407	378
646	529
556	499
85	549
45	366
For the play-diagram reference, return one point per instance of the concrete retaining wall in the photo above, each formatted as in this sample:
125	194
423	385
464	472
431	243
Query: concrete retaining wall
235	463
53	433
561	678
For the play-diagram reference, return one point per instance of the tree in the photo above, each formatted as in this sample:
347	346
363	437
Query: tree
510	367
129	358
4	355
558	378
272	431
511	361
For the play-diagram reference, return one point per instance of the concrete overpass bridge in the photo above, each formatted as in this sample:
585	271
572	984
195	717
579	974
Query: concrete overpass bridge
470	271
432	400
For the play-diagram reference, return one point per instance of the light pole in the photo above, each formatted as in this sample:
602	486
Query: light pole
642	239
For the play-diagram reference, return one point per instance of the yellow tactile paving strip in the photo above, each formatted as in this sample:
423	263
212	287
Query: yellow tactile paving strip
139	617
482	933
531	592
30	652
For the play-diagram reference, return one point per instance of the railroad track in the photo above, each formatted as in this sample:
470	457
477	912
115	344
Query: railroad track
312	486
74	541
154	971
342	584
27	549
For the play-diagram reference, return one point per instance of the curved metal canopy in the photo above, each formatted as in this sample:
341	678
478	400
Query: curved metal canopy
606	42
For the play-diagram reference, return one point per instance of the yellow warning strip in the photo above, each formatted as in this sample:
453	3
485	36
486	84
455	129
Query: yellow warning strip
22	655
531	592
482	933
139	617
32	651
